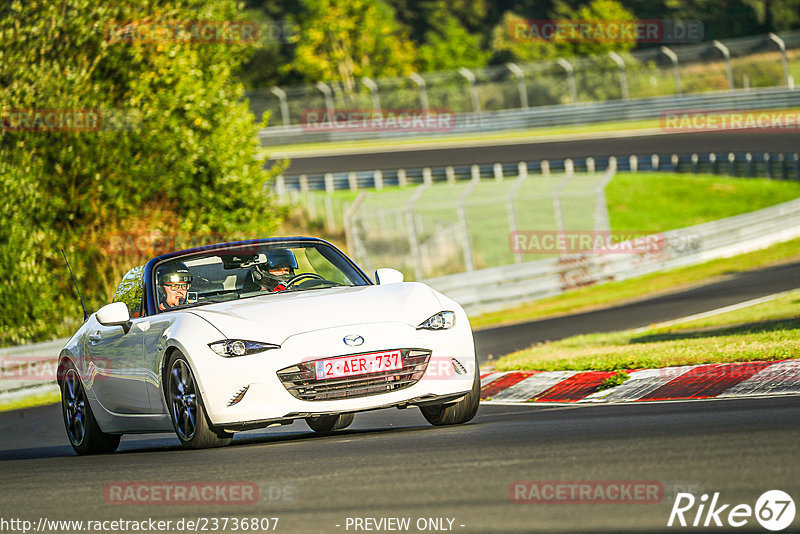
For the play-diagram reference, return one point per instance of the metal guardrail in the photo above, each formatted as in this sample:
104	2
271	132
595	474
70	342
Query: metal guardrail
784	166
29	369
556	115
515	284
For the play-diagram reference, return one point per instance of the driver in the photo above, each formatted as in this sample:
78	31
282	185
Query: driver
277	271
173	284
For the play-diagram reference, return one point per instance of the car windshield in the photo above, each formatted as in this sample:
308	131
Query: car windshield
249	271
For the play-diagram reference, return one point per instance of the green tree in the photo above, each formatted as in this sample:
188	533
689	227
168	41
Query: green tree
342	40
174	154
451	46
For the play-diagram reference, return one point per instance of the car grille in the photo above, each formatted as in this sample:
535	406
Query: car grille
301	380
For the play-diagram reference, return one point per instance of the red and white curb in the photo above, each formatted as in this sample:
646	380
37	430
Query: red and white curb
718	380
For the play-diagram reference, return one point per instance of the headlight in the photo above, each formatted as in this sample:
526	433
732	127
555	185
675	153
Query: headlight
231	348
440	321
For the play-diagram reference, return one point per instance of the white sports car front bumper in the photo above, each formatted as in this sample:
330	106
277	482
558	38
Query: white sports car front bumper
247	391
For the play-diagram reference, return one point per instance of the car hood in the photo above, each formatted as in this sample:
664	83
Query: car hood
274	317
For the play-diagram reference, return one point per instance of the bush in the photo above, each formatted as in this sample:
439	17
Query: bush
174	152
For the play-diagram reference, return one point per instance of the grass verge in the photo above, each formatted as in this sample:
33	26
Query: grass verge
767	331
615	293
31	402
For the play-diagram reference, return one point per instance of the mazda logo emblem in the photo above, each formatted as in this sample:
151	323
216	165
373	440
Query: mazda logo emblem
353	340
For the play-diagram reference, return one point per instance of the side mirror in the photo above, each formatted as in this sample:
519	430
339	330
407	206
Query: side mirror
114	314
385	276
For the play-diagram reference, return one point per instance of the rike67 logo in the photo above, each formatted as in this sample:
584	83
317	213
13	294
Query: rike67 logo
774	510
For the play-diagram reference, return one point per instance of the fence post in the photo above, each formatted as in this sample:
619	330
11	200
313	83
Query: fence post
328	182
545	168
427	178
402	181
634	162
469	261
423	93
413	236
655	164
475	170
567	66
280	187
303	183
751	166
473	90
349	229
498	172
590	164
330	220
373	91
513	223
601	222
281	94
352	181
727	55
557	201
377	177
569	166
712	159
451	175
676	71
623	78
328	95
784	61
523	91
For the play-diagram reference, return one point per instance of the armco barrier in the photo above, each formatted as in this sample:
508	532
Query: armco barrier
558	115
515	284
32	363
782	166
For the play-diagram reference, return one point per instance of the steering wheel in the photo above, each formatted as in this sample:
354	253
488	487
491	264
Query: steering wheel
293	280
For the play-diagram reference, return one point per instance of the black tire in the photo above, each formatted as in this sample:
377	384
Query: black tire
83	432
186	410
458	412
329	423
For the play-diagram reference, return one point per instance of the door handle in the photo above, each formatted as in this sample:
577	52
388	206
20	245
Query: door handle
94	336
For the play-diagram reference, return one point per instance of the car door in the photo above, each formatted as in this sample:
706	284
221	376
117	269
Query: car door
117	353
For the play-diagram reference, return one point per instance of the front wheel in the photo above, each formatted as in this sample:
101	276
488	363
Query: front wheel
329	423
83	432
186	408
459	412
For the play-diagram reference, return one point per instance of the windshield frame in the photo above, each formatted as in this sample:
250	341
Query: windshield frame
151	266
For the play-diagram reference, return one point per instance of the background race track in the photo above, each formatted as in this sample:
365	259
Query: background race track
635	143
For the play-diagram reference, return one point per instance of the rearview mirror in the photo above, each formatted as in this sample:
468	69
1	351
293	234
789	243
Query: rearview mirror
114	314
385	276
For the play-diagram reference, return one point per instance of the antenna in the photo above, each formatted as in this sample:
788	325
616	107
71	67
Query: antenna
85	315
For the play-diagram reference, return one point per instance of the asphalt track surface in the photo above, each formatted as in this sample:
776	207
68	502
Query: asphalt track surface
732	289
677	143
391	463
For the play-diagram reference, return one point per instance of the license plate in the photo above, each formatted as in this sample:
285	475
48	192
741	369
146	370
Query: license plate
359	364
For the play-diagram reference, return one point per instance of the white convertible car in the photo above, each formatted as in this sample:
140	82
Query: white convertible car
236	336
